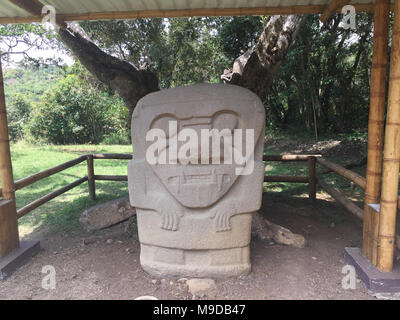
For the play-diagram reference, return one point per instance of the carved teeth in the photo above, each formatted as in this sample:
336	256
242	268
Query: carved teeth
200	179
220	178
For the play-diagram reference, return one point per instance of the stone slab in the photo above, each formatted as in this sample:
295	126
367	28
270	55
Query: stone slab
18	258
374	279
107	214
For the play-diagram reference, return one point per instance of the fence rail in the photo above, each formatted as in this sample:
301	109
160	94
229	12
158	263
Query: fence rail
312	180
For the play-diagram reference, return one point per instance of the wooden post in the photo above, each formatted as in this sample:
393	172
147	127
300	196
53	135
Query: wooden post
9	238
376	128
312	188
91	177
391	159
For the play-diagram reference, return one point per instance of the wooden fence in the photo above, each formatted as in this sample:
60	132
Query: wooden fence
311	179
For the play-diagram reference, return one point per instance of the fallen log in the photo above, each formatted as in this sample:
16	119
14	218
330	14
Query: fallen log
266	230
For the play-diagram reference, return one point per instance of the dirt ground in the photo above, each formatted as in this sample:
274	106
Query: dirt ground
105	264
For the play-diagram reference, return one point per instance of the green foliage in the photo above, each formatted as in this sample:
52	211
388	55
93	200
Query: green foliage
356	134
239	34
75	112
18	115
18	40
180	51
323	84
116	138
195	52
31	82
321	88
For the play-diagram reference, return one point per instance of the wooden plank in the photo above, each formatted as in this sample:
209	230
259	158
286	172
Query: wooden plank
38	202
312	188
295	179
345	173
376	129
9	237
19	184
391	158
34	7
331	8
339	197
110	178
115	156
18	258
289	157
301	9
91	179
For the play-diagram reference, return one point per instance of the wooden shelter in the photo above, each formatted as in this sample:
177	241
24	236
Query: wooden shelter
382	176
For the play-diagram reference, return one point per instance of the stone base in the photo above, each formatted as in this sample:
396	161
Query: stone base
374	279
18	257
169	262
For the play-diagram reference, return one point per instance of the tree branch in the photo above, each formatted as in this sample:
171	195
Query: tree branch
256	68
126	79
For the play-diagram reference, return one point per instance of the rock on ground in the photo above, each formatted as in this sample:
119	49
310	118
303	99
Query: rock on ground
265	230
198	285
107	214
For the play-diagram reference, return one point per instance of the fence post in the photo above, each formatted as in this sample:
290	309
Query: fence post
91	180
312	187
9	238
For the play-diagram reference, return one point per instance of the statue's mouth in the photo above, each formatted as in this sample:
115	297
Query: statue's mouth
196	186
200	179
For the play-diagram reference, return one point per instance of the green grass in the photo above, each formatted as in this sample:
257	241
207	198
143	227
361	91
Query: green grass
63	212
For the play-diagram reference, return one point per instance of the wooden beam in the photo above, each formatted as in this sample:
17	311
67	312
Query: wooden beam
290	157
120	15
115	156
90	175
34	7
111	178
376	129
22	183
391	159
332	8
312	187
295	179
345	173
9	238
339	197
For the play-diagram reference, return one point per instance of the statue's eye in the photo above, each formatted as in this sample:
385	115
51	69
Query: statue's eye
225	120
163	124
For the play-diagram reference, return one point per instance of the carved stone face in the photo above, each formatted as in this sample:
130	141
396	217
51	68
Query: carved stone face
226	107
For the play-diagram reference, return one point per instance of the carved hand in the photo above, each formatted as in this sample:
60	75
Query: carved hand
170	215
221	221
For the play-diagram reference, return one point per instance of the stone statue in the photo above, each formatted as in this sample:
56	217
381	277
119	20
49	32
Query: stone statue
195	199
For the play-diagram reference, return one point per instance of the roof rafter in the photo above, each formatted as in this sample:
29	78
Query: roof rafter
301	9
34	7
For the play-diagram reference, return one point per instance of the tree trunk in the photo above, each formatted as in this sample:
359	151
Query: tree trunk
126	79
256	68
